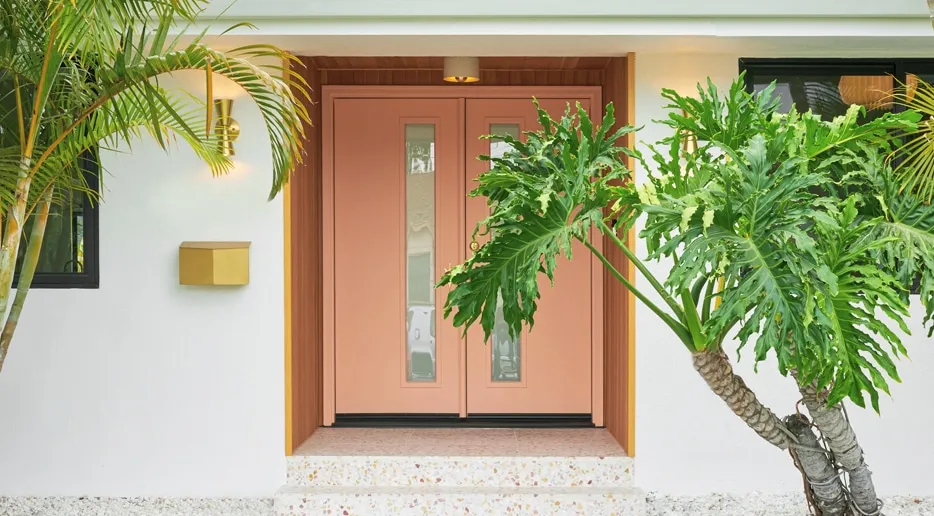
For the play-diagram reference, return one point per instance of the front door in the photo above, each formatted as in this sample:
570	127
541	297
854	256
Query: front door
397	182
401	171
547	370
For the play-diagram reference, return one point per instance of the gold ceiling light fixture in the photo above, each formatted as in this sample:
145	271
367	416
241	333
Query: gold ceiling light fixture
461	69
226	128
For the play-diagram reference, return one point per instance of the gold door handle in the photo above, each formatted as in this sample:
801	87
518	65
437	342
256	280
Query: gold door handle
474	246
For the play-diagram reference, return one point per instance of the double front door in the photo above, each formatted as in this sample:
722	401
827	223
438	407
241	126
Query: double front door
402	168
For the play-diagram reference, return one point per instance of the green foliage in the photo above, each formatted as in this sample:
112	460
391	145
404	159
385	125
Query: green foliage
544	193
785	228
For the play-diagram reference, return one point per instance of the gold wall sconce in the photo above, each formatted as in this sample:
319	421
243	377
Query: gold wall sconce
214	263
688	139
226	128
461	69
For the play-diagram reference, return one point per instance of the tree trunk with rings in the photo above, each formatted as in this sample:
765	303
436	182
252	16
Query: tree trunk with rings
841	439
715	368
819	472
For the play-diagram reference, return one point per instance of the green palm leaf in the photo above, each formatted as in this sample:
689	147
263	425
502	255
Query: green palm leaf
77	75
915	170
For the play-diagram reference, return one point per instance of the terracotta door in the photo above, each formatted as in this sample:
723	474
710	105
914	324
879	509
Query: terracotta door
398	221
548	370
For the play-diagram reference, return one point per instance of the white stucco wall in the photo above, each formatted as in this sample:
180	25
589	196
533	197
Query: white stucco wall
688	441
146	387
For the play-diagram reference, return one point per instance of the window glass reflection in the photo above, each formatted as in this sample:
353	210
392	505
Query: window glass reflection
420	252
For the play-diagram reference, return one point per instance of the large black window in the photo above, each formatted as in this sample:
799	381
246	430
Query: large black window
829	86
69	255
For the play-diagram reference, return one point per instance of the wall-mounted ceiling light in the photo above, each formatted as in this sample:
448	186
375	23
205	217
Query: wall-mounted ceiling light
461	69
225	128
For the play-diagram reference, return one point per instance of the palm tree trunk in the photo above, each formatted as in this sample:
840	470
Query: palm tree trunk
9	248
715	368
30	262
841	438
822	478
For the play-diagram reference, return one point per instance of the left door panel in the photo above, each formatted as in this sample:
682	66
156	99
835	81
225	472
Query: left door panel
398	222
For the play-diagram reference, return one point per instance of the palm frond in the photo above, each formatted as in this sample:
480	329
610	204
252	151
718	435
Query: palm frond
915	168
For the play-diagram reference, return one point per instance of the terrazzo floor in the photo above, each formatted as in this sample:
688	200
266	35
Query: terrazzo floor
462	442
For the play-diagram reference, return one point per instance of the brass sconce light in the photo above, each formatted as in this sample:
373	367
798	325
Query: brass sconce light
688	139
225	128
461	69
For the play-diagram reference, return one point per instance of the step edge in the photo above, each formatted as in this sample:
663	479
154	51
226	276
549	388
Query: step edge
608	458
287	490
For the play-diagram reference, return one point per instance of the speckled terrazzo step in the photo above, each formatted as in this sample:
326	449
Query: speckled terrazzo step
326	471
380	501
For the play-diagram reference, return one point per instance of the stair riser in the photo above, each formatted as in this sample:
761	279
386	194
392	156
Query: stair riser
464	503
461	471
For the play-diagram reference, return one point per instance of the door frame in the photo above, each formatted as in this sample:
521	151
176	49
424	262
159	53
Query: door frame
329	94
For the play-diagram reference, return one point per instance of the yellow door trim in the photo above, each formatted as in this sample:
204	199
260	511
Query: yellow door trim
287	273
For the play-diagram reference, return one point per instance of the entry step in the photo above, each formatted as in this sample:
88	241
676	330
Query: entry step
460	458
318	471
434	500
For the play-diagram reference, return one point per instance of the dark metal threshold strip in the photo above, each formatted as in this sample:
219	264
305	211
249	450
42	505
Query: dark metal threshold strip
471	421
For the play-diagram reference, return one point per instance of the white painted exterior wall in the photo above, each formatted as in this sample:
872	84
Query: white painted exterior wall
144	387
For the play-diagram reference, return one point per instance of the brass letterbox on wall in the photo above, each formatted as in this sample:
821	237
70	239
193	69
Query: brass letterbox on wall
214	263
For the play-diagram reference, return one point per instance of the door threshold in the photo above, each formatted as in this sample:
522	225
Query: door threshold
471	421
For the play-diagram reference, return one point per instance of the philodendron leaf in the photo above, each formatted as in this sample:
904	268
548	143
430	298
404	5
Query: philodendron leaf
543	195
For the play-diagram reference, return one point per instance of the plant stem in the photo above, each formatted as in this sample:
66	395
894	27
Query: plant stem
714	366
30	263
841	438
9	249
657	285
680	330
821	476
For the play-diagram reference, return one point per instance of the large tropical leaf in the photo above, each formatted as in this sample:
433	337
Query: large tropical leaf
543	194
858	341
907	227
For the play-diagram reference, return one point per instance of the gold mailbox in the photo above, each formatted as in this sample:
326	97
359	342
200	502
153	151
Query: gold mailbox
214	263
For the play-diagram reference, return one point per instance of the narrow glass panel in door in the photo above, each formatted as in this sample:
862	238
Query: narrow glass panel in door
419	251
505	350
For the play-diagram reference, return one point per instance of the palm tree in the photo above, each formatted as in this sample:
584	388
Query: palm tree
77	74
784	231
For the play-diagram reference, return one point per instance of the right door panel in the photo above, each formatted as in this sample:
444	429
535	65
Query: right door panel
547	370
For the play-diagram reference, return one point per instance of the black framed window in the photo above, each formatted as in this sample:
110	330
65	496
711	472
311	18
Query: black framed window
829	86
69	255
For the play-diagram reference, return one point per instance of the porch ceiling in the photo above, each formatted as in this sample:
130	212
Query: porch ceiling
437	63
